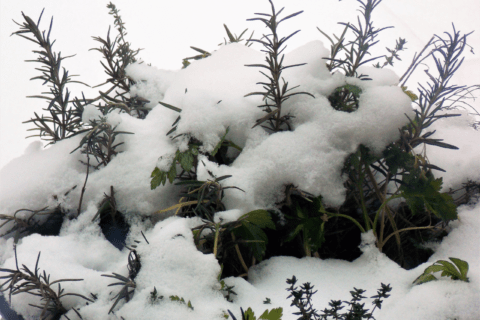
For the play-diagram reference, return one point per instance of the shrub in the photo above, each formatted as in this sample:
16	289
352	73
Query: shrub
301	223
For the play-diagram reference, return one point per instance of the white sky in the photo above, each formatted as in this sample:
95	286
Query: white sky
166	29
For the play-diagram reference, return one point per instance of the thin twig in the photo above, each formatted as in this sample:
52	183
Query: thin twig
84	184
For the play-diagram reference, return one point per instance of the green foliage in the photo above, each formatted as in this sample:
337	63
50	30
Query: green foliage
155	298
368	174
35	283
181	301
234	38
399	46
345	98
396	159
310	224
275	93
457	271
65	117
302	299
100	143
219	145
424	192
128	283
356	51
186	161
371	180
251	231
118	54
227	290
274	314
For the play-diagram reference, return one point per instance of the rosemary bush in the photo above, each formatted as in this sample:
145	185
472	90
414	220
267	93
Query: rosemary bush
301	224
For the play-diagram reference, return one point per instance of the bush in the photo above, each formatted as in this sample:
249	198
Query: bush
289	210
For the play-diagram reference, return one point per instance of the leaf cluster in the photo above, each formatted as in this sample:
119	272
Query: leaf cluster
399	46
251	231
24	280
345	98
457	271
357	50
425	194
275	93
310	224
438	95
201	198
186	161
128	283
117	55
156	298
235	243
64	119
301	298
401	172
99	142
274	314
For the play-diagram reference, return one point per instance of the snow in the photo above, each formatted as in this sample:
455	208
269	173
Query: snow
210	93
464	162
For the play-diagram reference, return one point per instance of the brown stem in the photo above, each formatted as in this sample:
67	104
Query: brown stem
237	249
406	229
84	184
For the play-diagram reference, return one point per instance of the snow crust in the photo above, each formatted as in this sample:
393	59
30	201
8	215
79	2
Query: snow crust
210	93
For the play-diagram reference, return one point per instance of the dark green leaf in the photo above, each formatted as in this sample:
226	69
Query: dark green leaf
274	314
260	218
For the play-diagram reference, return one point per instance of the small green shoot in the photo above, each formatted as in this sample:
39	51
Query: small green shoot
274	314
182	301
457	271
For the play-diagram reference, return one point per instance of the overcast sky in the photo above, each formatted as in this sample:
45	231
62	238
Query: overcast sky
166	30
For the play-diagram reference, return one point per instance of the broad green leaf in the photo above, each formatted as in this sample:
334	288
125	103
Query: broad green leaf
158	177
396	158
423	278
449	270
260	218
434	268
254	238
442	205
172	173
462	266
193	149
249	314
186	159
421	192
274	314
